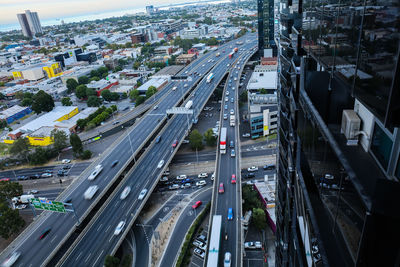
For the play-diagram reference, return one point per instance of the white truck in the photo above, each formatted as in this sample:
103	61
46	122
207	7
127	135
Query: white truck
232	120
210	77
95	172
189	104
89	193
23	199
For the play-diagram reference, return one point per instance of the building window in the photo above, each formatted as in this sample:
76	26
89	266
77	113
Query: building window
381	146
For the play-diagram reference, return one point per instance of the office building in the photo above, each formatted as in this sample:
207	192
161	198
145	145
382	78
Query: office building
338	184
30	23
266	42
23	21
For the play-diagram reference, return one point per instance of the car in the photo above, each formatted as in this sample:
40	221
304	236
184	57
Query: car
186	85
221	188
175	143
160	164
173	187
230	214
125	193
44	233
61	173
225	106
233	179
198	243
269	167
227	259
231	144
233	88
20	207
329	176
201	238
114	163
226	99
232	112
181	177
252	169
91	191
250	175
187	180
164	179
11	259
155	107
66	167
115	122
46	175
251	182
232	99
22	177
32	191
225	116
65	161
125	108
197	204
142	194
185	141
203	175
201	183
34	176
246	135
253	245
119	228
186	185
227	92
199	253
235	79
213	176
48	171
174	88
233	154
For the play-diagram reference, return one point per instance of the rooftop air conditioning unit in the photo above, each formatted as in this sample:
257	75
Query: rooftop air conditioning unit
350	126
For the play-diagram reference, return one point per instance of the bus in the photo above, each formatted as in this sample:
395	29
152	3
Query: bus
222	141
210	77
215	241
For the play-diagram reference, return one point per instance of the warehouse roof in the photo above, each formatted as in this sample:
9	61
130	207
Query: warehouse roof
11	111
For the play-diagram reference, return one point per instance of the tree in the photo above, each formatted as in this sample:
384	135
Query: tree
243	96
259	218
10	221
134	94
83	80
196	140
263	91
19	95
60	140
87	154
111	261
124	95
90	92
66	101
76	143
42	102
2	96
40	156
26	102
80	91
117	68
71	85
140	100
20	147
114	96
94	73
93	101
151	91
81	123
2	83
250	198
94	78
106	95
102	71
210	138
8	190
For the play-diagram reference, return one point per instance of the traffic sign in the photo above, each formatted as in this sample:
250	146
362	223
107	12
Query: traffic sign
44	204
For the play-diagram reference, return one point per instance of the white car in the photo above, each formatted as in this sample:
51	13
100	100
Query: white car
119	228
213	176
203	175
142	194
227	259
95	172
225	116
253	245
65	161
11	260
160	164
227	93
201	183
174	88
246	135
33	191
45	175
252	169
232	112
173	187
89	193
126	192
164	179
181	177
199	253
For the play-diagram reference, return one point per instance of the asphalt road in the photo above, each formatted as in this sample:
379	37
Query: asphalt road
181	228
33	251
92	248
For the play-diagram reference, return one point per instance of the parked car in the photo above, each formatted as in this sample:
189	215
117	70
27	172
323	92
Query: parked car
199	253
186	185
246	135
164	179
201	183
197	204
181	177
269	167
252	169
46	175
173	187
250	175
253	245
203	175
65	161
197	243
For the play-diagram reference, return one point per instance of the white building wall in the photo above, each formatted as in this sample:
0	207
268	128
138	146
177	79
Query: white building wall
367	119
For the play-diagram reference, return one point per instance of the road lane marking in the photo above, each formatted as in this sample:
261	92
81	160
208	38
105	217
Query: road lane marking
99	227
107	228
98	257
123	205
87	258
51	241
110	239
78	256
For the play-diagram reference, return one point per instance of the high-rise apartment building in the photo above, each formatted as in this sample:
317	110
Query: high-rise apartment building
265	13
338	191
30	23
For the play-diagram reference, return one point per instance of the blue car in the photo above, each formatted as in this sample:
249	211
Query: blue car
230	214
184	181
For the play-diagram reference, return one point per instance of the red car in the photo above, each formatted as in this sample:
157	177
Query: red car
175	143
221	188
197	204
233	179
4	179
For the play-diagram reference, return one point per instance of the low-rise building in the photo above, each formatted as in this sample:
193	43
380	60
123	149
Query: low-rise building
263	119
101	85
38	71
185	58
158	83
14	113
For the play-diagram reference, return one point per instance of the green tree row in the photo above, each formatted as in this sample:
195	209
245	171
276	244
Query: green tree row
196	139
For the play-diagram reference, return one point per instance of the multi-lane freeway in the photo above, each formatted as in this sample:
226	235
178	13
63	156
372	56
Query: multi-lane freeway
36	252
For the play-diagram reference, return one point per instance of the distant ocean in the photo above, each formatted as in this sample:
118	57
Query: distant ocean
98	15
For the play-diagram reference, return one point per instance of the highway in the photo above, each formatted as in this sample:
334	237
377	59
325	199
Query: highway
228	165
35	252
92	248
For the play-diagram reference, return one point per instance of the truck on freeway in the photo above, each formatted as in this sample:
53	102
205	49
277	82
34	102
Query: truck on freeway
23	199
232	120
215	241
217	54
189	104
95	172
222	141
230	55
235	49
210	77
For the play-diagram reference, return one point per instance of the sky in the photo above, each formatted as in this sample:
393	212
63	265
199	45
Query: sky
50	9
